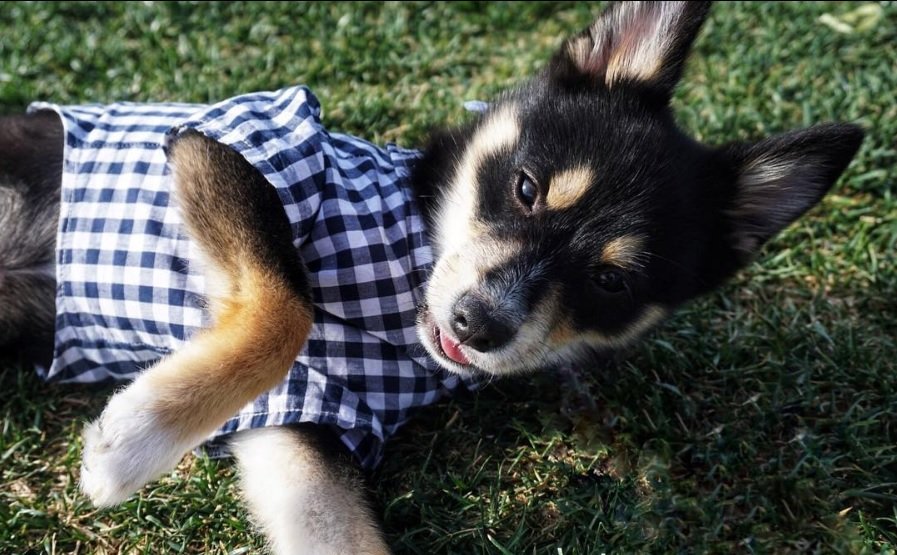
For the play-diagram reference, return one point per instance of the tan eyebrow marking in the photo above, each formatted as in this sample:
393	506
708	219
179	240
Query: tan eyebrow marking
567	187
625	252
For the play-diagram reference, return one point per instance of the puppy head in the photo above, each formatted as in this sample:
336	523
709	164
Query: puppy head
574	215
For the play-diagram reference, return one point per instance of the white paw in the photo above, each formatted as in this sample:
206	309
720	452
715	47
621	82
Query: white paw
127	447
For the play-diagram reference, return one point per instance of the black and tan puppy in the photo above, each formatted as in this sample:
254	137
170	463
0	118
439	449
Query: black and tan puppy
570	217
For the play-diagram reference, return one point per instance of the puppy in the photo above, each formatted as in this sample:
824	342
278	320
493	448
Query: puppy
290	295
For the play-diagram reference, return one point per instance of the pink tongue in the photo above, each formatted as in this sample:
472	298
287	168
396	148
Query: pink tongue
451	349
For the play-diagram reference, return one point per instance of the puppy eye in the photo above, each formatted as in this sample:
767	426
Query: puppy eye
527	192
611	281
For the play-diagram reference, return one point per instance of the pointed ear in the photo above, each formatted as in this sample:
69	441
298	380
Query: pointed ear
780	178
641	43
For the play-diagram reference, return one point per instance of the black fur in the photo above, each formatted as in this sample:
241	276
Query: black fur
30	170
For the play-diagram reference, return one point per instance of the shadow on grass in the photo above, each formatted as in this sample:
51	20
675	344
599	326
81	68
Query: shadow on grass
757	423
29	403
756	419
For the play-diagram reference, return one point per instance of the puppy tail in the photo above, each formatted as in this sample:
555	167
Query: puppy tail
260	299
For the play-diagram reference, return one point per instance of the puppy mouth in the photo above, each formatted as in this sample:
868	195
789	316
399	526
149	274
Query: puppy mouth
441	344
449	348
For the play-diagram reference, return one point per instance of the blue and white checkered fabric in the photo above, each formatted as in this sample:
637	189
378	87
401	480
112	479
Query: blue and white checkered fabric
127	294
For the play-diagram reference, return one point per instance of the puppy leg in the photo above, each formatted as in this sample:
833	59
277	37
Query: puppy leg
305	501
261	318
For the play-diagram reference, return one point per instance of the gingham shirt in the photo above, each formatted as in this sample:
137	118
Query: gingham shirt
128	295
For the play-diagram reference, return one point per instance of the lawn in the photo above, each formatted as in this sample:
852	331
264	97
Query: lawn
759	419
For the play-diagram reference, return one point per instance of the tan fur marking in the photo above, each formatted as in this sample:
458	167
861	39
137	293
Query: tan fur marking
562	334
248	351
625	251
566	188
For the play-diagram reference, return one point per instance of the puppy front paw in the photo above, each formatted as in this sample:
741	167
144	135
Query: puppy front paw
126	447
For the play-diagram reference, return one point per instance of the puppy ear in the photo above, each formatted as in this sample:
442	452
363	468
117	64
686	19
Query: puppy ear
636	43
780	178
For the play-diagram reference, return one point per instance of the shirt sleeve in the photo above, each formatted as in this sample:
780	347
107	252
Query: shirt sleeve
281	135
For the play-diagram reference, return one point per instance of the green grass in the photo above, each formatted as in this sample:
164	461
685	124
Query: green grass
760	419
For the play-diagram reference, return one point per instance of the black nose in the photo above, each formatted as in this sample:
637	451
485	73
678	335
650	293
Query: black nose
476	326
